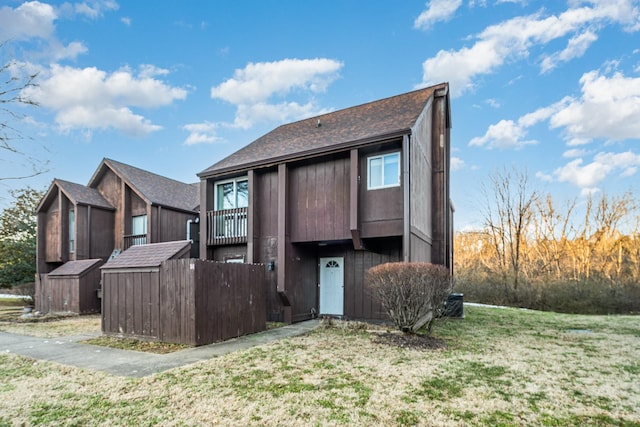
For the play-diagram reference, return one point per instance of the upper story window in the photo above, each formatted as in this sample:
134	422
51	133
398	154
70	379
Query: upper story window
139	225
72	230
232	194
383	171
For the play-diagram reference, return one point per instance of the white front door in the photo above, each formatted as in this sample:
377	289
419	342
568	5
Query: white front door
332	286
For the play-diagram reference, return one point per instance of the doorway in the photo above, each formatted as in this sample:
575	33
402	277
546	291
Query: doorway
332	286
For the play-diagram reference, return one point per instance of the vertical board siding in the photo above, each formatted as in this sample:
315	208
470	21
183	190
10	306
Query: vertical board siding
319	207
186	301
75	294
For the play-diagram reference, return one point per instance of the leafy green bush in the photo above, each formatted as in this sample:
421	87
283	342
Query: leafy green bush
413	294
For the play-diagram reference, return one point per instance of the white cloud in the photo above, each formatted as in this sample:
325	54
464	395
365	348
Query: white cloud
457	164
576	47
574	152
544	177
253	89
126	21
588	176
512	39
608	109
257	82
94	9
201	133
505	134
89	98
437	11
36	20
29	20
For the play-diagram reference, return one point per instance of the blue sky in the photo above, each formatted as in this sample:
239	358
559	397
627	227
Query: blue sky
552	88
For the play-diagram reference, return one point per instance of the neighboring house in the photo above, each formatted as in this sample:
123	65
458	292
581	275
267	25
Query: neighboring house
121	206
321	200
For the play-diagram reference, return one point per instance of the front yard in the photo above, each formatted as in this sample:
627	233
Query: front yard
499	367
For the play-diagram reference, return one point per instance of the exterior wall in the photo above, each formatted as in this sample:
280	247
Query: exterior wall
358	300
319	200
168	225
441	204
222	253
265	237
110	187
421	188
101	225
380	210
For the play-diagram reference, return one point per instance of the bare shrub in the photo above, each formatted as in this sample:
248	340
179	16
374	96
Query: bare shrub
413	294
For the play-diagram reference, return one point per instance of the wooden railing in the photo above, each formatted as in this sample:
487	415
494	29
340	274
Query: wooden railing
227	227
134	240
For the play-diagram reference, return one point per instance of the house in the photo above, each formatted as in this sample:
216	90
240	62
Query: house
120	207
321	200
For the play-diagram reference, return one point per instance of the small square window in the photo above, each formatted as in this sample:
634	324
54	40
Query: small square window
383	171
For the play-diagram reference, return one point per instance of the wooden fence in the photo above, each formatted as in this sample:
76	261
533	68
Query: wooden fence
187	301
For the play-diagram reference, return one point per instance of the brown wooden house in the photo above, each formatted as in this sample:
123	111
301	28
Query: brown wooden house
121	206
321	200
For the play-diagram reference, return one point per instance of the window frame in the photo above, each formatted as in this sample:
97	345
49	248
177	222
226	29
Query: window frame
235	182
133	227
72	231
382	157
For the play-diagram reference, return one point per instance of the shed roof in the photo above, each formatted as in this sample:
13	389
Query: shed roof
367	122
150	255
156	189
76	268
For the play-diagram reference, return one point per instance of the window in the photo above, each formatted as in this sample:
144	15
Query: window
383	171
72	231
231	202
139	225
232	194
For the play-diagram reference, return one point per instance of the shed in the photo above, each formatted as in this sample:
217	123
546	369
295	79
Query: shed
156	293
131	289
72	287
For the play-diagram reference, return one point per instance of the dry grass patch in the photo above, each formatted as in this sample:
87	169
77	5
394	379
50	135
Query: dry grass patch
135	344
53	326
501	367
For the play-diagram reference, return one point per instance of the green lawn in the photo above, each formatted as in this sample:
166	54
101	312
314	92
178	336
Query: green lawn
501	367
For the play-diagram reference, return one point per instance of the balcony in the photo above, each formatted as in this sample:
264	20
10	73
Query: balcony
134	240
227	227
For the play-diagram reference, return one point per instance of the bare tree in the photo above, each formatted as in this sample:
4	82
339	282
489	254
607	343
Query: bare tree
14	79
552	229
507	216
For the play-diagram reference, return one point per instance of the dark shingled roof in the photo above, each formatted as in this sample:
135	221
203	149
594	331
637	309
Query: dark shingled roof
81	194
157	189
150	255
76	268
365	122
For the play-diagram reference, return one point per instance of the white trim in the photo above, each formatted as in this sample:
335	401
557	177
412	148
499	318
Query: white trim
382	157
235	186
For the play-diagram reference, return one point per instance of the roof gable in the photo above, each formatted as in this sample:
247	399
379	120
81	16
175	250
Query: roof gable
78	194
371	121
150	255
153	188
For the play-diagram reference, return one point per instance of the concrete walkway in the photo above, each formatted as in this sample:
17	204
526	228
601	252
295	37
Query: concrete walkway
127	363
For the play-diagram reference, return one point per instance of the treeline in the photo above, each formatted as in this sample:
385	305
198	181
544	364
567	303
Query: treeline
577	256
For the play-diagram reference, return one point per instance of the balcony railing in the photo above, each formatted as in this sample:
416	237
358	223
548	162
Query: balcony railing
227	227
134	240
